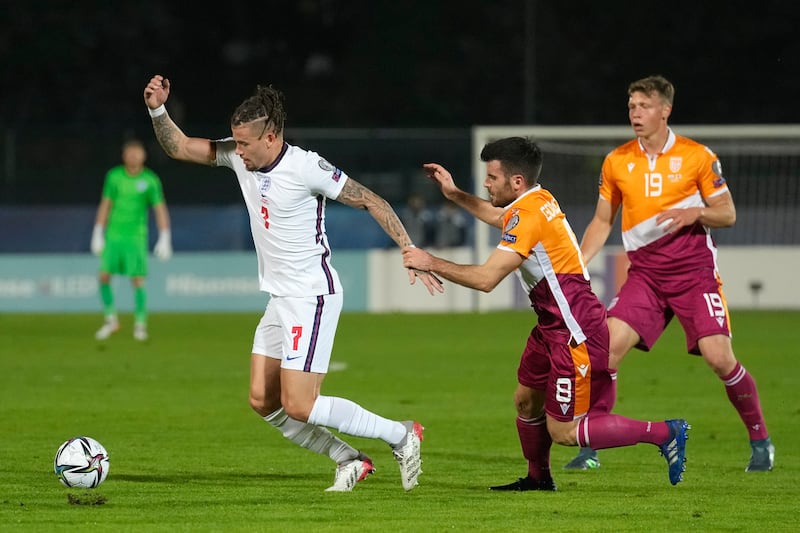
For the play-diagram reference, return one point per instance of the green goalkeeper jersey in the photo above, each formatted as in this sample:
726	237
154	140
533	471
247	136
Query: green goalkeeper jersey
130	197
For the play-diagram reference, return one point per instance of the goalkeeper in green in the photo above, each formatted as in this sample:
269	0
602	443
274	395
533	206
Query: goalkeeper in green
120	234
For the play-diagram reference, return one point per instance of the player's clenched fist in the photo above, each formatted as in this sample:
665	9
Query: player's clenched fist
156	91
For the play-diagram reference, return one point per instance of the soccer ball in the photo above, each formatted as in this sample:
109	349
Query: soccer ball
81	462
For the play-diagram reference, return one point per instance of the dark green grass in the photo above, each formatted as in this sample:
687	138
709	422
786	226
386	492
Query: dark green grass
188	454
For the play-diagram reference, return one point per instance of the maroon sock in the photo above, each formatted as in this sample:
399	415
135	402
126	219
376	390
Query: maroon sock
536	442
612	431
741	389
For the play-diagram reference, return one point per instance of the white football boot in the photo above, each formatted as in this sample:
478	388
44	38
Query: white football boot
111	325
407	455
348	474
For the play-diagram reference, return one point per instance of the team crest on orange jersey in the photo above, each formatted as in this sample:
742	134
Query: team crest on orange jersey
675	164
511	224
716	168
513	221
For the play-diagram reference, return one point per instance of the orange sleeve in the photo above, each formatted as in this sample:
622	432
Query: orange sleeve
608	188
710	180
521	231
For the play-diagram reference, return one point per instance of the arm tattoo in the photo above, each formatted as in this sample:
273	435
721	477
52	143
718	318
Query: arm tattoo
167	134
353	194
356	195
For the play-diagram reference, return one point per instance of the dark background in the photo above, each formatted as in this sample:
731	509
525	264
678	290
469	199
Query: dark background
400	64
74	72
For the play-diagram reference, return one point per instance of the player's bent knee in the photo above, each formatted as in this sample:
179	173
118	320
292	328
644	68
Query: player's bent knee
262	406
297	410
529	402
722	362
563	439
259	406
562	433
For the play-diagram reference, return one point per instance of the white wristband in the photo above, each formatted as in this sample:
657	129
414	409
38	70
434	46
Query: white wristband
157	112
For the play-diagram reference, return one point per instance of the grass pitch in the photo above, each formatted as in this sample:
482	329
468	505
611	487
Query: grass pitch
188	454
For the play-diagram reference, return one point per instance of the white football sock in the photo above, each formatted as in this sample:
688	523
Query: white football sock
352	419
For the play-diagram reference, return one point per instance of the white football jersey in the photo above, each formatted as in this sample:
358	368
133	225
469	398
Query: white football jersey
286	205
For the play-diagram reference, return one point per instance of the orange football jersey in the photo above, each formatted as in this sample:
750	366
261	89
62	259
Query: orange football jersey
554	272
682	175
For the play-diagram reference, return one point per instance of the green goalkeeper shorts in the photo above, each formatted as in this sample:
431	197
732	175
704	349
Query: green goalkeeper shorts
124	257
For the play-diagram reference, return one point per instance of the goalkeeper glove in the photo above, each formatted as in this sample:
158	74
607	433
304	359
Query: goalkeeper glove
98	239
163	247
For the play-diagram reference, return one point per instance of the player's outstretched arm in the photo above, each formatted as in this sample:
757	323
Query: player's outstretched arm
356	195
483	277
599	228
172	139
481	209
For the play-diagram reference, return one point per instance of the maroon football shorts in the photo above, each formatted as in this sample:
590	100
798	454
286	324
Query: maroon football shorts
647	303
575	377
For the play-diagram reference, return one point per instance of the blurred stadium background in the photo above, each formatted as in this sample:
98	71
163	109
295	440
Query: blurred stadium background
379	88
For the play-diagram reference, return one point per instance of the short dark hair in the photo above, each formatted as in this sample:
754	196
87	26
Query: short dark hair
134	143
517	155
265	104
654	84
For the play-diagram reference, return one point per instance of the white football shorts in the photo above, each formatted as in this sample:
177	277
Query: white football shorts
299	331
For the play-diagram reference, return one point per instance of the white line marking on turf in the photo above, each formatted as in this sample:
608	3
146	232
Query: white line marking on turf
337	366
